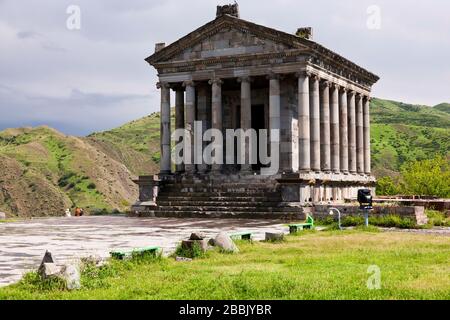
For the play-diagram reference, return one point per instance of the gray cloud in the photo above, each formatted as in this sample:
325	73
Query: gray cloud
96	78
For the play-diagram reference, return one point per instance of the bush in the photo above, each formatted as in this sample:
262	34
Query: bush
427	178
437	219
195	252
91	186
387	187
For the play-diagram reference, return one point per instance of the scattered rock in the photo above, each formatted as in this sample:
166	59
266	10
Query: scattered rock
212	242
2	216
71	275
224	241
49	270
197	236
189	244
274	236
48	258
183	259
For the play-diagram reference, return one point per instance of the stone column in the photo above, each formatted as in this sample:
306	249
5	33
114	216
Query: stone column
190	119
216	106
367	155
274	107
359	135
165	163
334	127
246	119
352	131
325	147
343	123
179	119
315	123
203	104
304	128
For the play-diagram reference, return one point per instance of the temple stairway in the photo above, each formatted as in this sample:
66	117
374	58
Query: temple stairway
223	199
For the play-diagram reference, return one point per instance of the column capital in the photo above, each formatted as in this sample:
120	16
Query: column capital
216	81
274	76
304	73
315	77
368	98
325	84
351	92
188	83
244	79
161	85
335	86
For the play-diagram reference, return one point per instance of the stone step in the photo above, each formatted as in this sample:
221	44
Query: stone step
218	194
182	197
295	216
228	208
170	202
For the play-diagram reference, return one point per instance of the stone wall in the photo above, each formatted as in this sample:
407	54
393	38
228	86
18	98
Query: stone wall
416	214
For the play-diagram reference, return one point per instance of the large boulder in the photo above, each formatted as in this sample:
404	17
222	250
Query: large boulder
197	236
224	241
47	259
69	273
72	277
49	270
274	237
189	244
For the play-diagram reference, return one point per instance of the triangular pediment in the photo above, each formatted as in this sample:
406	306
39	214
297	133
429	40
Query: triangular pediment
227	36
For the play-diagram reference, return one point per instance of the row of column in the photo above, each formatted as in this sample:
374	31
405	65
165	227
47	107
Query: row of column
334	123
216	116
334	127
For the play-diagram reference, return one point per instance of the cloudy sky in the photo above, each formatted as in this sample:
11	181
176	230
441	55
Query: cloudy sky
95	78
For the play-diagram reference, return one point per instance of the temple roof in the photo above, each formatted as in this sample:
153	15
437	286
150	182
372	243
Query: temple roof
165	54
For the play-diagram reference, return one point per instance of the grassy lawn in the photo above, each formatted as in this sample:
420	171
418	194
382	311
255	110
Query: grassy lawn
313	265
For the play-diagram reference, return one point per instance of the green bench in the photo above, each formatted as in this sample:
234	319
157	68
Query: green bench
121	255
241	236
309	225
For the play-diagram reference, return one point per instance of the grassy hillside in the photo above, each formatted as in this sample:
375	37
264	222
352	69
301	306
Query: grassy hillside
404	132
43	172
135	144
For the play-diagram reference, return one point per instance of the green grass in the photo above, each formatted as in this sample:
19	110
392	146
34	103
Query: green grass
314	265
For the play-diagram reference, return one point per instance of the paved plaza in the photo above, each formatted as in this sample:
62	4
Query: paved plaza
23	244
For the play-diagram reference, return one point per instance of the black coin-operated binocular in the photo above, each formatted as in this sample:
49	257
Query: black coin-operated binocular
365	199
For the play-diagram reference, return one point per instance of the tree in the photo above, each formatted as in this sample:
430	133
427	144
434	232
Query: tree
387	187
427	177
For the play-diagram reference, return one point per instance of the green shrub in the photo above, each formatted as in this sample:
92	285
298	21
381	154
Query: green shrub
195	252
91	186
437	219
387	187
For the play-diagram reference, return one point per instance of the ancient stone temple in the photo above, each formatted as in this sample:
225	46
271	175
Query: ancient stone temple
235	74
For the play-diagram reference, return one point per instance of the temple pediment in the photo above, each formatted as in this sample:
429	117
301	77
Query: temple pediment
226	36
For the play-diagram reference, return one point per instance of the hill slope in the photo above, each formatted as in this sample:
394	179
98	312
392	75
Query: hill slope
404	132
43	172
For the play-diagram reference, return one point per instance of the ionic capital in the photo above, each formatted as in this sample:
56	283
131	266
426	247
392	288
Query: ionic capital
303	74
325	84
215	81
274	76
188	83
244	79
162	85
